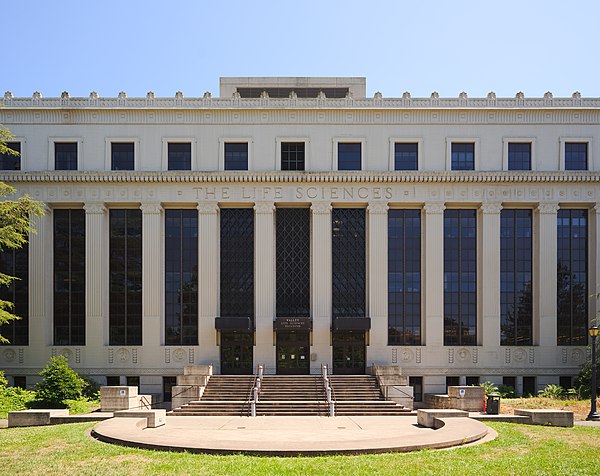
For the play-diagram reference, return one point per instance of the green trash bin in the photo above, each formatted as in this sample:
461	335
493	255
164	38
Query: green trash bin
492	406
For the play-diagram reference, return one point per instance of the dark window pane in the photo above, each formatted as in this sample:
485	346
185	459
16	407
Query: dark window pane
179	156
10	161
349	155
463	156
15	262
236	156
292	156
417	384
349	262
69	277
576	156
404	277
122	155
519	156
406	156
65	155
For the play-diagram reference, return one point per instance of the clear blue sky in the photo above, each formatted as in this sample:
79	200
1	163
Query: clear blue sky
419	46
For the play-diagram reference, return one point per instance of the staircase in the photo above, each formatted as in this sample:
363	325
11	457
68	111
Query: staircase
291	395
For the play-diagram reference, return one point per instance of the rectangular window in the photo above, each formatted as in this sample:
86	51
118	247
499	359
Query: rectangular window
516	265
472	381
463	156
510	382
181	277
236	156
572	292
404	277
113	380
349	155
348	262
20	381
15	262
565	381
122	156
529	387
576	155
65	155
237	262
417	384
179	156
292	155
452	381
69	277
132	381
406	156
168	384
10	161
460	277
519	156
125	286
293	262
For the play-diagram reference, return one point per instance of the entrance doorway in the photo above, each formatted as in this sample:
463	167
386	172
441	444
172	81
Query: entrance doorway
236	353
349	353
293	353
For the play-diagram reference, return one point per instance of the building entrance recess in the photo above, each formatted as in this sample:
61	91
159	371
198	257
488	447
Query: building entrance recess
293	356
349	353
236	353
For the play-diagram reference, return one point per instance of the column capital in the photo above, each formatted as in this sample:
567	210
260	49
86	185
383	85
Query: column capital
596	208
320	208
490	208
151	208
377	208
208	208
264	208
95	208
434	208
547	208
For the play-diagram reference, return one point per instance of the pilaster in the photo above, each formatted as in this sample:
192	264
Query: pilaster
152	334
377	298
433	232
594	260
544	322
321	283
488	279
40	281
208	282
264	283
95	218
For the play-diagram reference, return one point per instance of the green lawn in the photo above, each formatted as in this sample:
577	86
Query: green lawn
520	449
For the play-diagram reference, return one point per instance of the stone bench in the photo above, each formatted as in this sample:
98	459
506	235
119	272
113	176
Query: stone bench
37	417
547	417
154	418
431	418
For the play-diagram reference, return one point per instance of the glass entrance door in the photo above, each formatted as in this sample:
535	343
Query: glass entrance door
236	353
349	353
293	353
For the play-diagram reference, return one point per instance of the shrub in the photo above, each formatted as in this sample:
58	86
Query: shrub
82	405
489	387
92	390
506	391
13	398
553	391
59	383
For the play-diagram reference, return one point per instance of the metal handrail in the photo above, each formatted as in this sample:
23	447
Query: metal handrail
328	389
256	388
397	388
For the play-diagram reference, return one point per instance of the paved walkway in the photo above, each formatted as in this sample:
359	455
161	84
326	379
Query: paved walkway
290	436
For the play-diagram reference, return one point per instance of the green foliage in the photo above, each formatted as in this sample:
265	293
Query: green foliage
60	383
82	405
553	391
583	381
13	398
506	392
92	390
489	387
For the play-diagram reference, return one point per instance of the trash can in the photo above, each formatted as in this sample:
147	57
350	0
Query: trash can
493	404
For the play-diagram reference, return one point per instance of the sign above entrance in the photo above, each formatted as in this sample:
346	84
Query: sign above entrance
292	324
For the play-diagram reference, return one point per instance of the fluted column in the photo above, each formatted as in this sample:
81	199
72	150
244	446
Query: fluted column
208	272
152	334
544	327
488	280
95	219
377	300
321	283
40	282
594	241
264	284
433	230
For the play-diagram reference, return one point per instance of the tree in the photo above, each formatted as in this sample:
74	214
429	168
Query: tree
15	225
60	383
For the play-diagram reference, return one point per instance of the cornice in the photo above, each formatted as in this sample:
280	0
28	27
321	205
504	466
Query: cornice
298	177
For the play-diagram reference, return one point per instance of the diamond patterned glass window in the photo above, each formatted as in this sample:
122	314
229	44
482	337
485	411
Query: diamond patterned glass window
237	262
348	262
293	262
16	263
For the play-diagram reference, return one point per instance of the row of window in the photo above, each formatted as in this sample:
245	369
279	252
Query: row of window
348	235
293	156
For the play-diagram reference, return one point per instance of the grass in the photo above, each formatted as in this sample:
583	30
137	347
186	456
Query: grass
580	408
519	449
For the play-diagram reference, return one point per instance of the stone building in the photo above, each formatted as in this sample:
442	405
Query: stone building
294	222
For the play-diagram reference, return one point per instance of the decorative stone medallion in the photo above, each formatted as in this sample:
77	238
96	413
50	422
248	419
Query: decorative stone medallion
520	355
9	355
122	355
178	355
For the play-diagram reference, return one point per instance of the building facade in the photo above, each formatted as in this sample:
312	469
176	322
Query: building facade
293	222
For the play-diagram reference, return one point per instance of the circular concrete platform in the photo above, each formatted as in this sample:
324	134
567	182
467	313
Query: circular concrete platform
291	436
